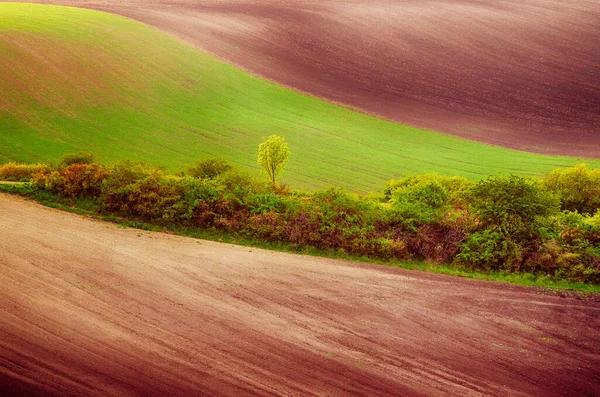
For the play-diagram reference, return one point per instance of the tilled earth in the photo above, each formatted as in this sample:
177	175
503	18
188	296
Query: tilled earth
88	308
518	73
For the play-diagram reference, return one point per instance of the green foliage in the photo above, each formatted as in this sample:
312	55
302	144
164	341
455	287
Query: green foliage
578	232
74	181
265	202
150	194
21	172
239	187
594	220
209	168
491	250
501	224
334	218
511	205
76	158
578	187
420	203
457	187
428	199
520	230
579	263
272	156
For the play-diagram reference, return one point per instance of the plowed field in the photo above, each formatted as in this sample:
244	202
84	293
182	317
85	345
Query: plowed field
87	308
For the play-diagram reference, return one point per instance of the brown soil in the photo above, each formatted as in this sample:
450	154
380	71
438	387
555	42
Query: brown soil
520	73
88	308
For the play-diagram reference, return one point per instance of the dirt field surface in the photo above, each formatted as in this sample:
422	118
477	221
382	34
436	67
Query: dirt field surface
518	73
88	308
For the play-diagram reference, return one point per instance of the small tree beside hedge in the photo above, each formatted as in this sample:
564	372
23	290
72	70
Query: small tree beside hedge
502	223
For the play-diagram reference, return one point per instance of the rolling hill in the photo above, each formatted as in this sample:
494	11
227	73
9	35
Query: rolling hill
75	79
519	73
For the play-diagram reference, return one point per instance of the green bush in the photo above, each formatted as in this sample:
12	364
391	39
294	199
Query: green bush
209	168
75	180
578	230
421	203
330	219
580	264
491	250
152	195
21	172
265	202
76	158
239	187
457	187
511	205
513	221
578	187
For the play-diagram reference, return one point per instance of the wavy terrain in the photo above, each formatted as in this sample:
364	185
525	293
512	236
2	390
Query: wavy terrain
80	80
88	308
520	73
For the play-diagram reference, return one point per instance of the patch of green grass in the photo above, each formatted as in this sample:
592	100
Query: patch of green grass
79	80
548	283
79	206
545	283
21	189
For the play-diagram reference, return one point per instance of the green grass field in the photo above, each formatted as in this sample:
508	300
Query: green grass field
78	80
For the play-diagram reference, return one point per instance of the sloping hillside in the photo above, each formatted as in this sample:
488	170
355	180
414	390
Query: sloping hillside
75	79
519	73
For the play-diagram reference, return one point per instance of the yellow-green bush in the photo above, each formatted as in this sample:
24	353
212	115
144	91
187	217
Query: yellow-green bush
76	158
21	172
457	187
75	180
578	187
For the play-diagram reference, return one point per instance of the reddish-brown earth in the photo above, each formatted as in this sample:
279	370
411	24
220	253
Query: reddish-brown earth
88	308
518	73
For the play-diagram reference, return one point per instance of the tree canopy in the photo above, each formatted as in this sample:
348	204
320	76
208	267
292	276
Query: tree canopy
272	156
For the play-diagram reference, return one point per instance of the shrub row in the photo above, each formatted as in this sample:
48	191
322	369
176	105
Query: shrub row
20	172
510	224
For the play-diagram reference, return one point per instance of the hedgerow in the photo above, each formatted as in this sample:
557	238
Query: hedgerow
20	172
74	180
578	187
502	223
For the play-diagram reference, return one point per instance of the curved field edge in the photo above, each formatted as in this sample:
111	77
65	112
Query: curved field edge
77	79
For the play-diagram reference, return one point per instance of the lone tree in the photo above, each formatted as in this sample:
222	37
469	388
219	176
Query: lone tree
272	156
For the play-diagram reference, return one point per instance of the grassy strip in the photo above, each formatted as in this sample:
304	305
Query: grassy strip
546	284
9	182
